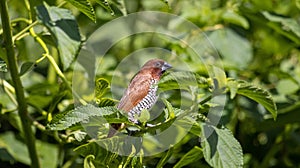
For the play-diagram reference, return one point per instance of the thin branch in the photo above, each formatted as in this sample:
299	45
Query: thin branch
22	32
54	64
9	90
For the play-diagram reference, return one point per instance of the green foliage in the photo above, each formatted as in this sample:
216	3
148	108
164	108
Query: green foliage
3	66
85	7
182	80
220	148
258	42
64	30
16	151
164	159
190	157
236	56
79	114
287	24
256	93
27	66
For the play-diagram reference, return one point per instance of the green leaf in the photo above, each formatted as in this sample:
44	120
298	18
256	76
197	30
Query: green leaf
27	66
101	151
92	148
236	50
233	87
181	80
106	6
220	148
88	161
297	3
63	28
79	135
106	102
79	114
259	95
3	66
101	87
48	39
190	157
47	153
220	76
288	24
164	159
42	94
85	7
232	17
287	86
144	116
170	110
15	148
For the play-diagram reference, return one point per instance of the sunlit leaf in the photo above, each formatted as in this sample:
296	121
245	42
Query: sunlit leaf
109	6
101	87
297	3
165	158
79	114
220	76
144	116
64	29
287	86
85	7
87	163
79	135
106	6
233	17
233	87
236	50
191	156
220	148
106	102
3	66
181	80
170	111
259	95
100	149
288	24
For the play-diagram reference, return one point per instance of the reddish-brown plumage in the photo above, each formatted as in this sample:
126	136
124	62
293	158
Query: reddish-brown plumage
141	92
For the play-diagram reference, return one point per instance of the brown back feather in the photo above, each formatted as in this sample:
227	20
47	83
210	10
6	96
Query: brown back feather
136	91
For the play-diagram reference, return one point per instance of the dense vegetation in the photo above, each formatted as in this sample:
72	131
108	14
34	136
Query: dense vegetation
240	110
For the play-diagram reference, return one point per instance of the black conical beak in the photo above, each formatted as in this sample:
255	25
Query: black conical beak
166	66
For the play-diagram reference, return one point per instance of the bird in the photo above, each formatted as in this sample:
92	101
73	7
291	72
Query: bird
141	92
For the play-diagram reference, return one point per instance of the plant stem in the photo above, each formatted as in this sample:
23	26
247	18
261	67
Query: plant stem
13	68
17	36
54	64
10	91
205	100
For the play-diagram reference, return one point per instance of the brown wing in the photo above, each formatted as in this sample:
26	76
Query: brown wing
136	91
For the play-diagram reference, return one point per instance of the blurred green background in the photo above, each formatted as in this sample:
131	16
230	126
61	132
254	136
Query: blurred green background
258	41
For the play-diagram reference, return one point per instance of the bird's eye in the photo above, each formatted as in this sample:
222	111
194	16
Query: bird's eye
158	64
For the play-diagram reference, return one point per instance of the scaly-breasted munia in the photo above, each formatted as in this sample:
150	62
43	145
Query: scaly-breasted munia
141	92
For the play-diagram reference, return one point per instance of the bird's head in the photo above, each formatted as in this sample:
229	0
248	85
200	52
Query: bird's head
156	67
